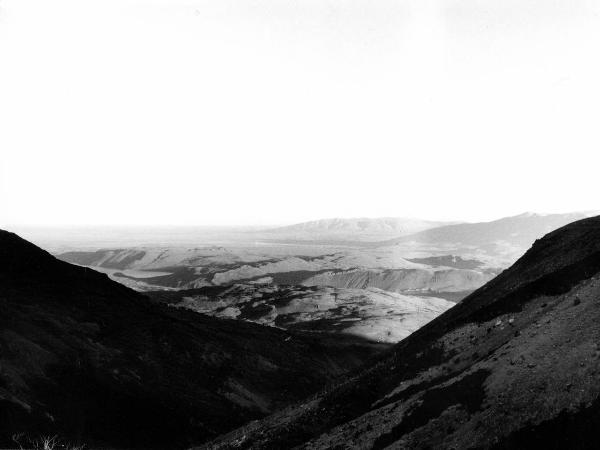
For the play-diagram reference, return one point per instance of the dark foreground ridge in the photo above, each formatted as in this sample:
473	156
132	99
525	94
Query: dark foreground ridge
91	361
515	365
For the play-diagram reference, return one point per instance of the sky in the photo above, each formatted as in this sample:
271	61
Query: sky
255	112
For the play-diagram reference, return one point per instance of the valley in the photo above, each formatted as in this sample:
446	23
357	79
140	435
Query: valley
429	263
299	225
310	345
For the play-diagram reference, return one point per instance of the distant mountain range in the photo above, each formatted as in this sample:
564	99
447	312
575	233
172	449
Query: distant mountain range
355	228
503	240
513	366
519	230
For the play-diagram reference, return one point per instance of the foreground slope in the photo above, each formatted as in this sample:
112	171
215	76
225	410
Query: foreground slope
514	365
90	360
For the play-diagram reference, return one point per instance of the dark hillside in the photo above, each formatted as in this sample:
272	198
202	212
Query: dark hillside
90	360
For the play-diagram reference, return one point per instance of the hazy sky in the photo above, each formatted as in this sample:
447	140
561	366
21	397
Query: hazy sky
276	111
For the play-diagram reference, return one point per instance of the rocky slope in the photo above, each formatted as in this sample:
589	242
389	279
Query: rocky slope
90	360
514	365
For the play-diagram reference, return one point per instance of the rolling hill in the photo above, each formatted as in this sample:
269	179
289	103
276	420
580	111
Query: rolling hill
152	268
514	365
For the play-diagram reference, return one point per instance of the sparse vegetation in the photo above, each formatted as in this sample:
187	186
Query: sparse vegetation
45	442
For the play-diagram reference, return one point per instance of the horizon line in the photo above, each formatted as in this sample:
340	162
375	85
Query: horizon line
277	225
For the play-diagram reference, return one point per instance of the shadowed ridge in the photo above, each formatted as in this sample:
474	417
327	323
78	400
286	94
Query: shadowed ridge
23	265
20	258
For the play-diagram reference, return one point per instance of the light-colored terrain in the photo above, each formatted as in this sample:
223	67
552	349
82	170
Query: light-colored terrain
308	265
415	280
369	313
446	259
